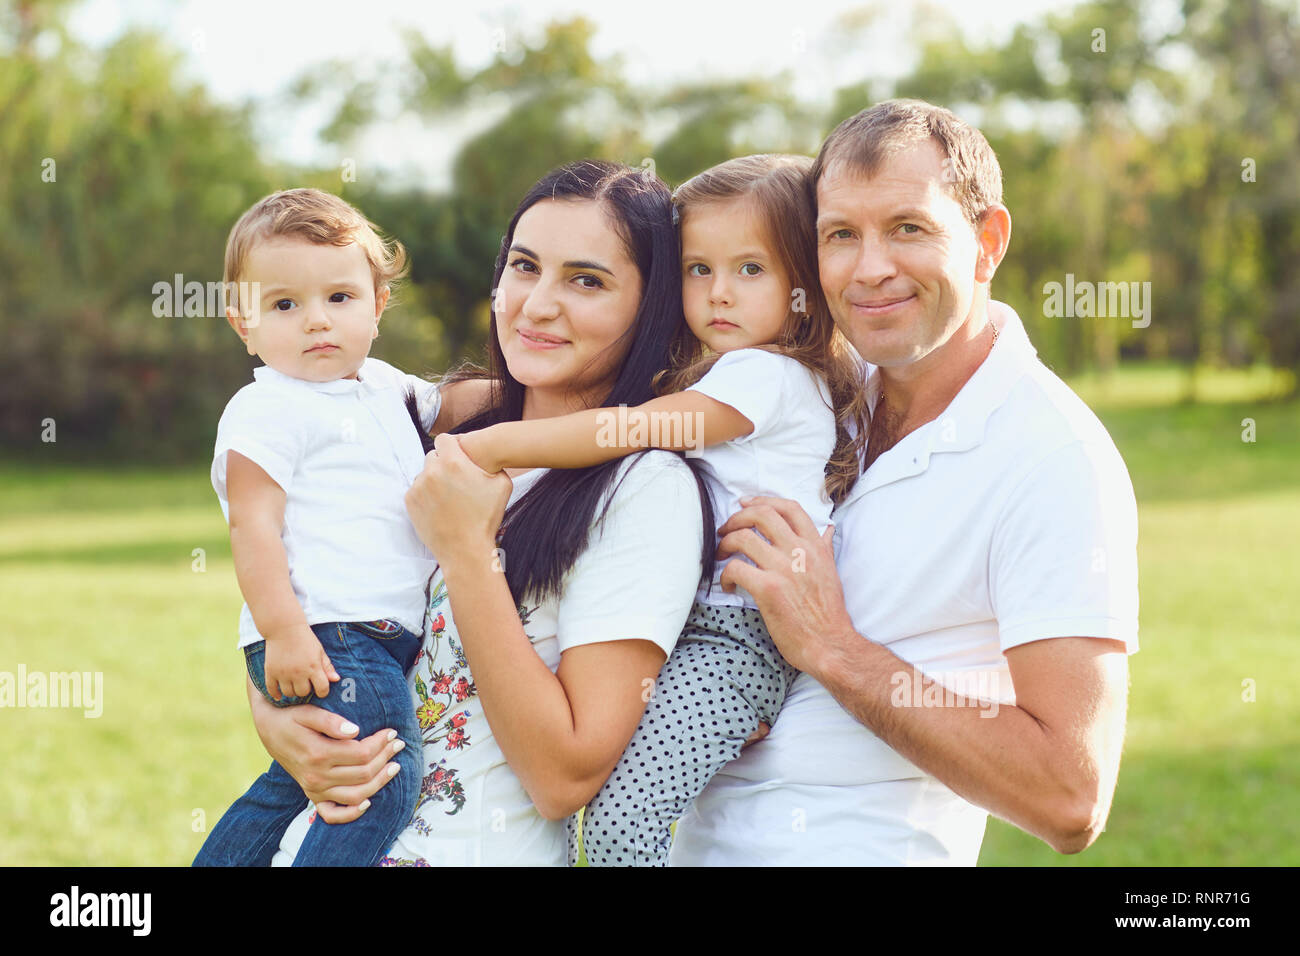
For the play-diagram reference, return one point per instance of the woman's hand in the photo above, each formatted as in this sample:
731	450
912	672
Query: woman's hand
338	774
456	506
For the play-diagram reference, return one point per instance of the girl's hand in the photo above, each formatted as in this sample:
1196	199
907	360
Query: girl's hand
296	665
456	506
479	446
338	774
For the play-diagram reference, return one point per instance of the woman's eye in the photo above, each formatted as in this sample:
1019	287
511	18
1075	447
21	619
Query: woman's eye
589	282
283	305
340	297
523	265
697	269
751	269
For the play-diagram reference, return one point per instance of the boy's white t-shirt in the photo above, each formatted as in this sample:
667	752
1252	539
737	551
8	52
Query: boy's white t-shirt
345	452
784	456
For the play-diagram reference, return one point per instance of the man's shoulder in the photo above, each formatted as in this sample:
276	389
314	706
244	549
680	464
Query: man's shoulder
1042	412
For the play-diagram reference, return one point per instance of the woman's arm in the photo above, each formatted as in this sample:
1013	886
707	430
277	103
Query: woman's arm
337	773
561	732
684	421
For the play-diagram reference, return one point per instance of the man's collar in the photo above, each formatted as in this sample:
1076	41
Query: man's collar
960	426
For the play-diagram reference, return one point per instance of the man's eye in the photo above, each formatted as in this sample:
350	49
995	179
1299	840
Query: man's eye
842	234
283	305
910	228
697	269
340	297
751	269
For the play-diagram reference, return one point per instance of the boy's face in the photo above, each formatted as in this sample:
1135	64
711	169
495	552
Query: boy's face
317	312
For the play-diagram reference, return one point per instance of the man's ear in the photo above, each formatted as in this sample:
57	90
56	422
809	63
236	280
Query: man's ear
993	235
237	322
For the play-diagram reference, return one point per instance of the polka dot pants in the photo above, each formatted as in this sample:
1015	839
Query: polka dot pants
723	677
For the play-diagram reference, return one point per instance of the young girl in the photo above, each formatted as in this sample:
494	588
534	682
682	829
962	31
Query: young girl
770	408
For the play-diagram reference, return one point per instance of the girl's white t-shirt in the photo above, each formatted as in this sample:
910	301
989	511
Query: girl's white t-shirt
636	581
784	456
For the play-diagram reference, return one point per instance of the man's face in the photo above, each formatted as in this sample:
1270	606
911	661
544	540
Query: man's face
897	256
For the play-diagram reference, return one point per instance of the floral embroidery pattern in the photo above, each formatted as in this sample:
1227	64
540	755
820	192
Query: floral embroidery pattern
439	685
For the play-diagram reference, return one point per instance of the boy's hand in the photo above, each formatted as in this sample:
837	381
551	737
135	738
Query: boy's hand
478	444
296	665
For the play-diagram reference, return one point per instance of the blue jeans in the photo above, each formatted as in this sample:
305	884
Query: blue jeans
372	659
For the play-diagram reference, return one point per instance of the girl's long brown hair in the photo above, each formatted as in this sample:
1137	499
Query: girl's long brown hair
776	186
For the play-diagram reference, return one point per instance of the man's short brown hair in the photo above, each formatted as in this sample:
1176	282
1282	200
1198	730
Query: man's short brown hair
863	141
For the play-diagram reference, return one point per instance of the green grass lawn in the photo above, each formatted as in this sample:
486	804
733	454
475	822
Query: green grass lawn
98	573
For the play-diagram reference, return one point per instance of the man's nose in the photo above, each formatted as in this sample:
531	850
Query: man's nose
874	263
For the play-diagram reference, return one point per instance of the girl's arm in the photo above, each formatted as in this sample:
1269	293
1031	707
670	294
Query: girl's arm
684	421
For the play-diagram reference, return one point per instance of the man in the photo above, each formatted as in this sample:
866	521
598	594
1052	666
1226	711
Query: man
970	655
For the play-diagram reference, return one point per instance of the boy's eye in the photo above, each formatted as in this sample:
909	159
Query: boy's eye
283	305
697	269
340	297
751	269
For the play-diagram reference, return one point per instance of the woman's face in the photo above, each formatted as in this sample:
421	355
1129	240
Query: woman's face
568	293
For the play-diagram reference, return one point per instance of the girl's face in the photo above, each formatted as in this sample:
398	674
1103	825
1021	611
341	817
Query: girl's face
567	296
733	288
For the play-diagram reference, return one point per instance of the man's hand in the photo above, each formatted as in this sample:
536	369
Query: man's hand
795	584
296	665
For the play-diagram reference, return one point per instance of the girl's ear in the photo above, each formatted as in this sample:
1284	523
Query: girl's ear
381	301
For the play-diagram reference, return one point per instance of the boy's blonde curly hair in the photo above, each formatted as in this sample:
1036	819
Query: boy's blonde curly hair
316	216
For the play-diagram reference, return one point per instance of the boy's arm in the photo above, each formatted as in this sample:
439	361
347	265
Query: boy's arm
296	664
460	401
684	421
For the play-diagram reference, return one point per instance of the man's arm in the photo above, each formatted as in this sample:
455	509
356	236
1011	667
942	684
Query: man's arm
1048	763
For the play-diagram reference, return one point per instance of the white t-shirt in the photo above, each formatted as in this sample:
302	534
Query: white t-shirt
345	453
1008	519
784	456
636	580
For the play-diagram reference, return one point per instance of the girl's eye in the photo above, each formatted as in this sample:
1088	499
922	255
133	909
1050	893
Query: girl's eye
589	282
336	297
697	269
751	269
283	305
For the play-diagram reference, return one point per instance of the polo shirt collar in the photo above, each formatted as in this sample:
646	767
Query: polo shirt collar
960	427
366	378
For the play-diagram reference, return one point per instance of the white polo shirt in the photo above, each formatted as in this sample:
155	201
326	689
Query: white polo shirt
1008	519
345	452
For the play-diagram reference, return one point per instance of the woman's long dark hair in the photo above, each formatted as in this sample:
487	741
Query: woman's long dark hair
547	529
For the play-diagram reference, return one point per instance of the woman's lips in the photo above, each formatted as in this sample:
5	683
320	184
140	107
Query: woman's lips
540	340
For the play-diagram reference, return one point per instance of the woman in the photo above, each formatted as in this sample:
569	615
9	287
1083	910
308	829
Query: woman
605	560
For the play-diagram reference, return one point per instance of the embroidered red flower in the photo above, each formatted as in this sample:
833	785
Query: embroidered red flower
439	775
458	720
438	624
462	689
456	740
442	682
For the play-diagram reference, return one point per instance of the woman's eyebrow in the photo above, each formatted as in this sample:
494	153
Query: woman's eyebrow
570	264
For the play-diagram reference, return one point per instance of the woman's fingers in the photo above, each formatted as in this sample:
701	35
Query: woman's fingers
355	795
331	812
